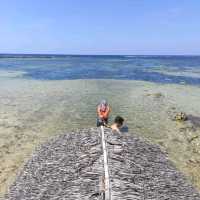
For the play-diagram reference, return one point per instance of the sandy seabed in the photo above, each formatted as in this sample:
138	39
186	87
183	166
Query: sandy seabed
31	111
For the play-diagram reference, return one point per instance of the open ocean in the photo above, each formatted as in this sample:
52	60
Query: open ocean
160	69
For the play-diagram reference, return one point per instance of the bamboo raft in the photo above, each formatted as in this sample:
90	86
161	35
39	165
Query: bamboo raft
97	164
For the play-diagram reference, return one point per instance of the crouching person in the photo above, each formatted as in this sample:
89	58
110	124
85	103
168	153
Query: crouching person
103	111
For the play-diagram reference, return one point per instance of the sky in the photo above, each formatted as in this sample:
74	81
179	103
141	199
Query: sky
129	27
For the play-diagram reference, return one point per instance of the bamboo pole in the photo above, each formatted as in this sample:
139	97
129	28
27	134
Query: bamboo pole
106	169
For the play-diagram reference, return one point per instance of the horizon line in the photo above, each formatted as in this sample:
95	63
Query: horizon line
61	54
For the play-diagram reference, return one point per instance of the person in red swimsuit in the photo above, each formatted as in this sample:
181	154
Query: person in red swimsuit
103	111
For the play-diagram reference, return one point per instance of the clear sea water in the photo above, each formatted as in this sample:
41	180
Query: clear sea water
147	68
34	107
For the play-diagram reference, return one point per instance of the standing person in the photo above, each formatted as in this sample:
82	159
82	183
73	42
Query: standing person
103	111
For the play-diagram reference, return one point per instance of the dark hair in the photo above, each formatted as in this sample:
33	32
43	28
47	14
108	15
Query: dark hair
119	120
